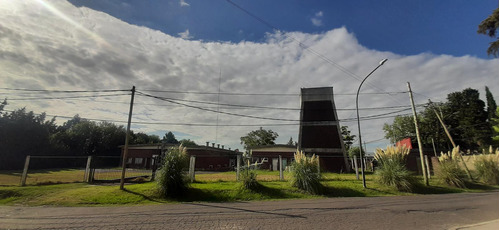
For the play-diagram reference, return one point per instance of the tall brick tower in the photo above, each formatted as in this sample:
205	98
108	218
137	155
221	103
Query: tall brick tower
320	130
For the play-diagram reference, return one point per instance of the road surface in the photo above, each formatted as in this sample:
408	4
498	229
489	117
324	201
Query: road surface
448	211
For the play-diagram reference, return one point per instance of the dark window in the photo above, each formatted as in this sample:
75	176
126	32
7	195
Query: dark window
318	111
320	137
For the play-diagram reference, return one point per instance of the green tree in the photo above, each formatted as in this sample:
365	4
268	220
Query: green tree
495	129
354	151
143	138
187	143
465	114
23	133
347	137
402	127
258	137
169	138
291	142
489	26
491	105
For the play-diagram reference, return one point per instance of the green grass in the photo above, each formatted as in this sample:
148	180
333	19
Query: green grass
211	189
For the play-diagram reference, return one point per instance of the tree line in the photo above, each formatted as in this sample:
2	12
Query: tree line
470	121
25	133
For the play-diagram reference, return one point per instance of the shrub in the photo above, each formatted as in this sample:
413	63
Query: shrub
392	170
449	168
487	167
305	173
248	179
171	178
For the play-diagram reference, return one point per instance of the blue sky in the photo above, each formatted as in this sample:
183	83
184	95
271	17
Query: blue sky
402	27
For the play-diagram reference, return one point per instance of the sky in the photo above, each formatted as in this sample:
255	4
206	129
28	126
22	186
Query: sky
245	59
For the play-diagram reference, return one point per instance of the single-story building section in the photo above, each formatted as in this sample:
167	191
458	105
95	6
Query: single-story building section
208	158
268	156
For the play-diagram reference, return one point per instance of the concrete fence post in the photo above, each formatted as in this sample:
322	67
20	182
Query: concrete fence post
238	164
356	167
319	167
281	168
427	166
86	177
192	162
25	171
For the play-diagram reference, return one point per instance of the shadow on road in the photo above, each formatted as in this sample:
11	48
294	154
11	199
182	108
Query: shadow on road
248	210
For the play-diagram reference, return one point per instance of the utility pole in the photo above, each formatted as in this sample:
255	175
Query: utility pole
452	142
127	137
424	171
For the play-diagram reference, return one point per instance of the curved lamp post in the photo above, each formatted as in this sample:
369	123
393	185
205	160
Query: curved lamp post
359	127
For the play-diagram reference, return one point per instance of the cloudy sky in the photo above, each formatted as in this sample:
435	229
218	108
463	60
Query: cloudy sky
246	59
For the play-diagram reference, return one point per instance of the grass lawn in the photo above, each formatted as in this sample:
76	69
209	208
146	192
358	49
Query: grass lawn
214	187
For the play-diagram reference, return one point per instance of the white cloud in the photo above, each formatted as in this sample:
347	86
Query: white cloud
39	51
185	35
317	19
183	3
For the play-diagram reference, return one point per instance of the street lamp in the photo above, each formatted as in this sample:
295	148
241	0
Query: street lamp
359	127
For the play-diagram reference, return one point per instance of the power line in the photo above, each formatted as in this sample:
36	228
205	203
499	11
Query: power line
66	91
260	94
261	107
69	97
215	111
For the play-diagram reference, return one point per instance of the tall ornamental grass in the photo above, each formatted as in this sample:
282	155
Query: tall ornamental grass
392	170
305	173
248	178
450	171
487	167
171	177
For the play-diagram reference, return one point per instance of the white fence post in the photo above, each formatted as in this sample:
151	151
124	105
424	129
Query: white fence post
192	161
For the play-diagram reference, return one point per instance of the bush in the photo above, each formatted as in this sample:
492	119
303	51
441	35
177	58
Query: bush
392	170
171	179
249	181
305	173
487	167
449	169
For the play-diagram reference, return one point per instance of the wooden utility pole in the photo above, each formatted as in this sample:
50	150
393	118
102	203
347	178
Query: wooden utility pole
452	142
424	171
127	137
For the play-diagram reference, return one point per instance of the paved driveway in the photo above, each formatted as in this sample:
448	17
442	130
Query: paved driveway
448	211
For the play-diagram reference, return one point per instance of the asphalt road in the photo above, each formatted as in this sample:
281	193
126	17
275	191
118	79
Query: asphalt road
450	211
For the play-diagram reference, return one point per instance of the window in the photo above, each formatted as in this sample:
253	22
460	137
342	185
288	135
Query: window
138	161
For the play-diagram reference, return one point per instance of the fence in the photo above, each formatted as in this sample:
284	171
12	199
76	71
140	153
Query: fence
78	169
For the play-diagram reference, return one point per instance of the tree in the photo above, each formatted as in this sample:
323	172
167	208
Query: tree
402	127
347	137
258	137
491	105
466	116
187	143
2	105
489	26
495	129
142	138
291	142
23	133
354	151
169	138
